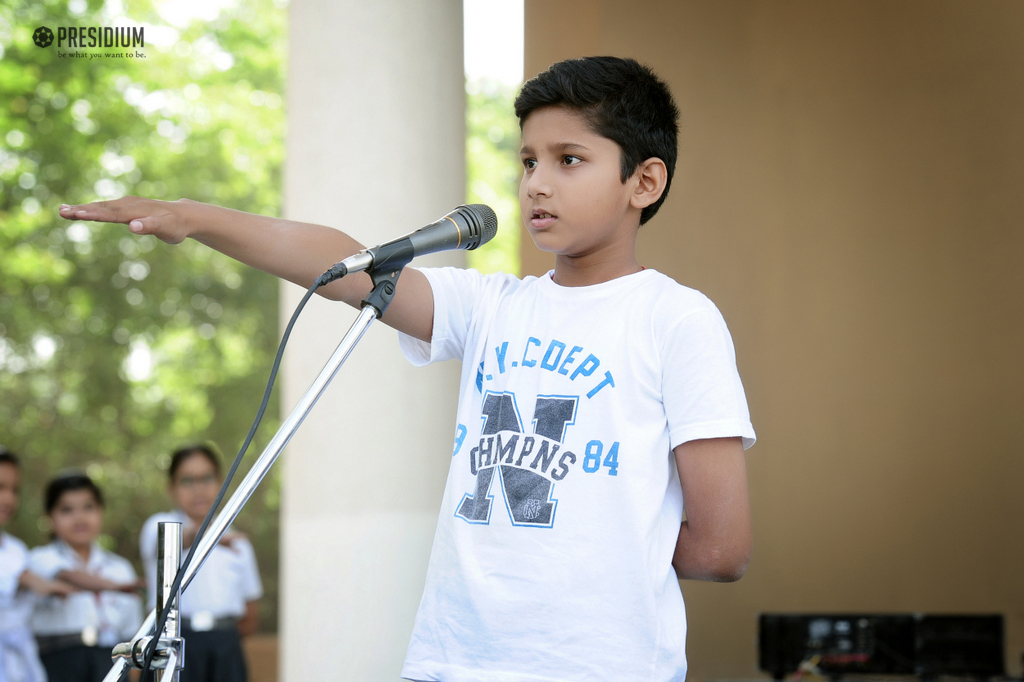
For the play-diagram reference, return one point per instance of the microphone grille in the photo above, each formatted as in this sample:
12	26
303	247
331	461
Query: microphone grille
486	220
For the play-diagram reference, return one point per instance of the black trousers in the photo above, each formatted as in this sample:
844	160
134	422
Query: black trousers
79	663
213	656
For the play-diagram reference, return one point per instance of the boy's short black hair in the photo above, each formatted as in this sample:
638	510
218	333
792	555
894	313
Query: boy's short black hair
208	450
67	482
621	99
8	457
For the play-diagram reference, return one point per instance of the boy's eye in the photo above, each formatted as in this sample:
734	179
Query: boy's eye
570	160
529	164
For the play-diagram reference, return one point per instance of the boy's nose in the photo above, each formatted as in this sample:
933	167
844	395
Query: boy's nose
537	184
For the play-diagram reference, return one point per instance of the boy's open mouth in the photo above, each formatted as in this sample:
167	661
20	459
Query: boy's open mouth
540	218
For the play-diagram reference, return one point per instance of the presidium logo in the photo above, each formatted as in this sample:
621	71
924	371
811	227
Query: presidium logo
42	37
105	37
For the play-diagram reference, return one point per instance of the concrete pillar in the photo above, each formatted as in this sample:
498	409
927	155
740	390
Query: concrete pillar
375	148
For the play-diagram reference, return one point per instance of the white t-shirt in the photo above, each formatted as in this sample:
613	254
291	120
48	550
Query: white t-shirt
15	604
115	616
224	584
19	661
552	558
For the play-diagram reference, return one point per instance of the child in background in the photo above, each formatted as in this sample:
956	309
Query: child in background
76	633
220	605
19	660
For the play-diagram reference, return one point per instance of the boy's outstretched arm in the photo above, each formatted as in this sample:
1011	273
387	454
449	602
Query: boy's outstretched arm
715	540
297	252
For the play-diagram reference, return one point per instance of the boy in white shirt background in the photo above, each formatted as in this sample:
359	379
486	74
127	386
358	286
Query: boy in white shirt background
19	658
76	633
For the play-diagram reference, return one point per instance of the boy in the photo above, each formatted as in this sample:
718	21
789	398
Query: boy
594	400
19	658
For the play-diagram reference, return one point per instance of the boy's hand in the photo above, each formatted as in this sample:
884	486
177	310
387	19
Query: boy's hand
231	537
59	588
163	219
44	587
132	587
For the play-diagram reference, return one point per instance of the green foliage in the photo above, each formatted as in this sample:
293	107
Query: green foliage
116	349
492	171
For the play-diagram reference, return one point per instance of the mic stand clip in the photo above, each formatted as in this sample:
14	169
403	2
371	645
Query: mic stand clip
385	272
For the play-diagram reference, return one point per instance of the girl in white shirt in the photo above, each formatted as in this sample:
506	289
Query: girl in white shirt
75	634
219	606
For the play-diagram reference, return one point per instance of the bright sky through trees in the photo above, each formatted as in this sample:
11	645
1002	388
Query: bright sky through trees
493	41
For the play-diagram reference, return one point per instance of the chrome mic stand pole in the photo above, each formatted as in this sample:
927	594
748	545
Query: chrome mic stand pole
168	559
170	648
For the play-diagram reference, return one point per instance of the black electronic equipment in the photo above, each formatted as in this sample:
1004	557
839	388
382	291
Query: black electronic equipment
960	645
895	644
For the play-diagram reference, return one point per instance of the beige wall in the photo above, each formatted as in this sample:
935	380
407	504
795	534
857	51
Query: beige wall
849	192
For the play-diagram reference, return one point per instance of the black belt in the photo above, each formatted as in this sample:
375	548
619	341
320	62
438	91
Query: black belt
49	643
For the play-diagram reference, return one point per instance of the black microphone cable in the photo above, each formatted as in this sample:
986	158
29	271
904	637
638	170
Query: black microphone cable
162	617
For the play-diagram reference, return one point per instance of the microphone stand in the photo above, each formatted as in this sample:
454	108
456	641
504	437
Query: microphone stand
170	647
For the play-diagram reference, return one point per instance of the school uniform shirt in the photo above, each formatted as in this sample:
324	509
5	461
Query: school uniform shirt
113	616
224	584
19	661
552	558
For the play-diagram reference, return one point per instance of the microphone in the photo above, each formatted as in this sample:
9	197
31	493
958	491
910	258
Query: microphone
467	227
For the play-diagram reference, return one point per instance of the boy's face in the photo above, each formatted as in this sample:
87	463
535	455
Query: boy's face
77	518
572	197
10	482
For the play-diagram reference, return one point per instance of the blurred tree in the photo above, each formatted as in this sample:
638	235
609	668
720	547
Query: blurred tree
115	349
492	171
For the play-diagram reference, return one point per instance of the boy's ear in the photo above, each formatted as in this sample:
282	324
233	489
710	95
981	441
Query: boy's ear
651	177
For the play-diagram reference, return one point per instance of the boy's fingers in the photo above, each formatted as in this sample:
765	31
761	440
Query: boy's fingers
136	213
145	225
71	212
115	211
95	211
